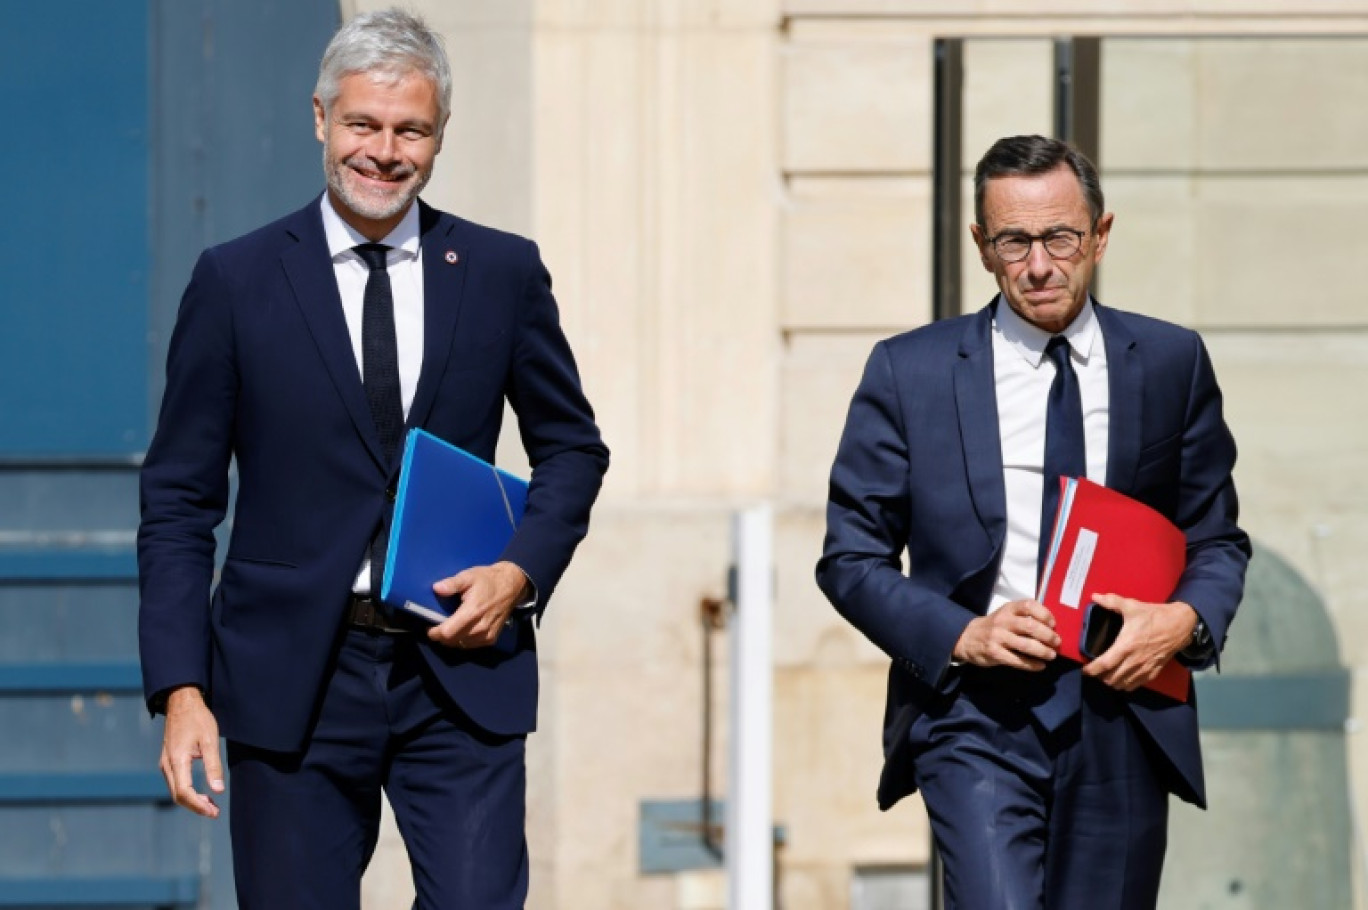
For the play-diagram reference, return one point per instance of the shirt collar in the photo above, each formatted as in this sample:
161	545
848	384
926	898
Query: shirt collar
342	236
1029	341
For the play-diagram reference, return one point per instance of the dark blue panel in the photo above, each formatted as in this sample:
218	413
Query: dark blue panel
144	891
44	621
1284	702
235	145
670	835
269	163
167	125
83	563
101	840
85	732
69	677
74	350
38	498
99	787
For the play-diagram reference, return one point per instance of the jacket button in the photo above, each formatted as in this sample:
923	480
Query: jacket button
390	494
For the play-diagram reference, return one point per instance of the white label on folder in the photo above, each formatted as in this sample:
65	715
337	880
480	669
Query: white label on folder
1079	564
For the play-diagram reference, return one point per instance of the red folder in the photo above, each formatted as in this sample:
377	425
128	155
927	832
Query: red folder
1104	542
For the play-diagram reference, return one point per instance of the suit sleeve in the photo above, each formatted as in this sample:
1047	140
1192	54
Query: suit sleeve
563	444
1217	550
860	570
184	487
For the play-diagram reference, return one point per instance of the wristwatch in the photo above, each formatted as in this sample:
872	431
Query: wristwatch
1199	646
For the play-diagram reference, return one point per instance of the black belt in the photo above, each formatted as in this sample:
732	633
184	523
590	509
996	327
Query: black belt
365	612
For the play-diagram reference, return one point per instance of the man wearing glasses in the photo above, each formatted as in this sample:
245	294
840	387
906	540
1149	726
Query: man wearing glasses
1047	784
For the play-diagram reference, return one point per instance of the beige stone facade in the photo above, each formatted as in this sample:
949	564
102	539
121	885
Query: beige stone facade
733	197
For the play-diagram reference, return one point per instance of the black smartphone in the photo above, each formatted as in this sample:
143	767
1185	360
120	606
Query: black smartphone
1100	628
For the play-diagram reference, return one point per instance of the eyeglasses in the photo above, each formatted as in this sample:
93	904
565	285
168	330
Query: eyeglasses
1061	243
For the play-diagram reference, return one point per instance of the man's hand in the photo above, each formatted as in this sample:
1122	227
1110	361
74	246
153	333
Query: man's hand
1019	634
1150	635
488	595
191	733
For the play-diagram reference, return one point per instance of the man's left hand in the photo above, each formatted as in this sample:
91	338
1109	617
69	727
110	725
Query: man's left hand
488	595
1150	636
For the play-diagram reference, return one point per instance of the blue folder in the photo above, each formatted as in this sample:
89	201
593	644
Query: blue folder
451	511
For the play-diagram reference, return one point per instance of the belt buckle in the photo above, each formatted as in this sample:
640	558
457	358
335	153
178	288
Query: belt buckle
365	612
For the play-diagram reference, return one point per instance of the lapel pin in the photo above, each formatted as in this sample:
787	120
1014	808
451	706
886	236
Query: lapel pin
451	257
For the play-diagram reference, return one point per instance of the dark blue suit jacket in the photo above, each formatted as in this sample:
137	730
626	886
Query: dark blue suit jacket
261	371
919	470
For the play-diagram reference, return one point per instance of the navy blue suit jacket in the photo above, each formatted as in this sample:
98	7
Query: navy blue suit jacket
261	372
919	470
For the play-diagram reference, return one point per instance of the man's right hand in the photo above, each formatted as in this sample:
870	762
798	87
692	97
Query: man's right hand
191	733
1019	634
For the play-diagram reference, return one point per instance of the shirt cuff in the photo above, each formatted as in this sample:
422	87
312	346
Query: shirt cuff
529	603
157	703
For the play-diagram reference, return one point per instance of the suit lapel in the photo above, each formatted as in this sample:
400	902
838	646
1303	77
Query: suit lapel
310	272
444	269
976	403
1125	399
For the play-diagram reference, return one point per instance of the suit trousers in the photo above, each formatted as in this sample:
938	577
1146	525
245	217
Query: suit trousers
1025	819
304	825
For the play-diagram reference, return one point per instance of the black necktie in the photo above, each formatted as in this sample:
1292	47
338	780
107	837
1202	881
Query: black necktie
380	374
1065	456
380	351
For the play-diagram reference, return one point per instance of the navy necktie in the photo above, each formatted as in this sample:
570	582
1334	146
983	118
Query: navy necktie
1065	456
380	374
1065	452
380	351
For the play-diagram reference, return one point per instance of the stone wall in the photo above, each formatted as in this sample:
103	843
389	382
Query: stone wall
733	197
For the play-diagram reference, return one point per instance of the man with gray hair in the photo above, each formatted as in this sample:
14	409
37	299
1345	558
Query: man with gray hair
302	353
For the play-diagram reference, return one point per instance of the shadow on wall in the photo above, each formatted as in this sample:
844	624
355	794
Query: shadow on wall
1278	833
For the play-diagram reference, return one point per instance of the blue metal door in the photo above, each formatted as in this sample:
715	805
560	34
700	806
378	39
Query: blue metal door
140	132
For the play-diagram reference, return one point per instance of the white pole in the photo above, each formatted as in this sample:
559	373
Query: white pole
749	840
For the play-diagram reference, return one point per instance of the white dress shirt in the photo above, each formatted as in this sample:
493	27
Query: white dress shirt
1022	378
404	262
